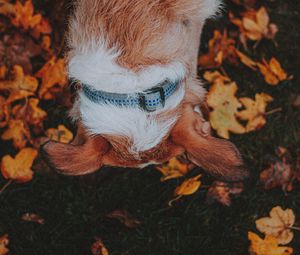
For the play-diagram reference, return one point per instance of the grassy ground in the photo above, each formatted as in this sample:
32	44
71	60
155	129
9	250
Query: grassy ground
75	208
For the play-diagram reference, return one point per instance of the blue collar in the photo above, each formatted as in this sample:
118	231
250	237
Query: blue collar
149	100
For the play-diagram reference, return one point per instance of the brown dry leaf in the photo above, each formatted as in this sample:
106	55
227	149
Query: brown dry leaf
272	71
60	134
267	246
24	15
221	192
221	98
54	78
19	168
4	112
98	248
32	217
30	112
16	95
255	111
221	48
278	174
6	8
43	27
20	82
18	132
189	186
279	224
246	60
3	245
125	218
174	169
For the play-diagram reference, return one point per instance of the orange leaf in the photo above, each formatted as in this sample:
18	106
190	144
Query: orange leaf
98	248
173	169
54	78
60	134
18	132
189	186
3	245
19	168
267	246
272	71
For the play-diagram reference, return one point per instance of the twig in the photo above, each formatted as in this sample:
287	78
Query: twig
273	111
173	200
295	228
5	186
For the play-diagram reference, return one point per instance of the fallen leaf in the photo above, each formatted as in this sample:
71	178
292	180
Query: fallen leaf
221	98
32	217
278	224
125	218
174	169
98	248
3	245
3	72
6	9
19	168
18	132
246	60
255	111
272	71
267	246
20	82
4	112
54	78
60	134
221	192
16	95
189	186
221	48
30	112
24	15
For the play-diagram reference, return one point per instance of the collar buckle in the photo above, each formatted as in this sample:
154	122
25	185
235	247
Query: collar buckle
142	97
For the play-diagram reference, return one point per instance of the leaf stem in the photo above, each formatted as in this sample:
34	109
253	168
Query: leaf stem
273	111
295	228
5	186
173	200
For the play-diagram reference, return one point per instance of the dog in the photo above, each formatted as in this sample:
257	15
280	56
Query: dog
139	100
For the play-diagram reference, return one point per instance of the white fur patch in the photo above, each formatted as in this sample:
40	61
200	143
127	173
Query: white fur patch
210	8
144	129
98	68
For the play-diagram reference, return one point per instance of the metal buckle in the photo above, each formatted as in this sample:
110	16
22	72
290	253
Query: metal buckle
142	97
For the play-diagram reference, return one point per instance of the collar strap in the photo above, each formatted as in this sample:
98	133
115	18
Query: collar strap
150	100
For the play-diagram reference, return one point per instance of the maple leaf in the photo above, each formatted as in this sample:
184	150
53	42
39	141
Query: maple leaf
18	132
24	15
278	224
124	217
3	245
54	78
20	82
60	134
220	48
272	71
267	246
19	168
174	169
189	186
221	98
30	112
98	248
255	111
221	192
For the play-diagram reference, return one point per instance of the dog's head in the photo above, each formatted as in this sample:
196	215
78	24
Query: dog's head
129	46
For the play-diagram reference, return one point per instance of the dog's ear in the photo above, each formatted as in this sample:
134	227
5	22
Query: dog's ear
217	156
76	159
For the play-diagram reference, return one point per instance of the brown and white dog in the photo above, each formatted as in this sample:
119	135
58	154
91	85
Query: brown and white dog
128	47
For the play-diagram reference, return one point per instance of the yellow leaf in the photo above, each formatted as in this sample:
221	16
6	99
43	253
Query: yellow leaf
173	169
255	111
54	78
246	60
272	72
189	186
98	248
222	99
20	82
267	246
60	134
3	245
19	168
278	224
18	132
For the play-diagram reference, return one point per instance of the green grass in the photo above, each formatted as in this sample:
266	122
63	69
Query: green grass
74	208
